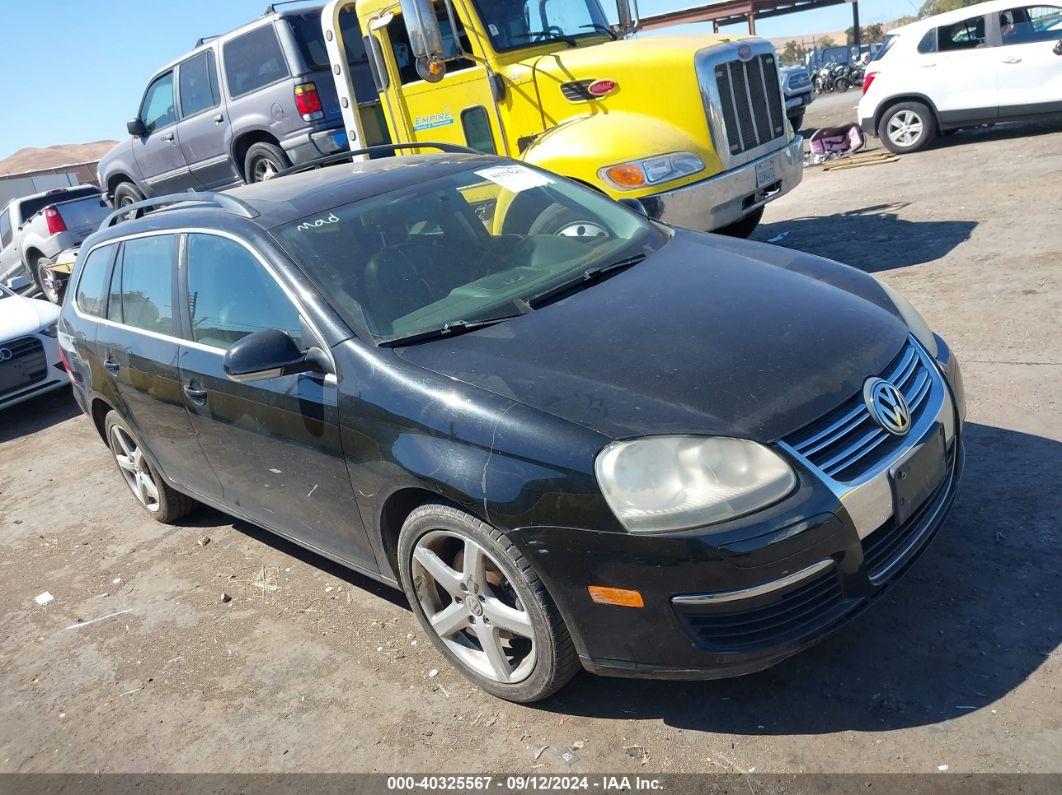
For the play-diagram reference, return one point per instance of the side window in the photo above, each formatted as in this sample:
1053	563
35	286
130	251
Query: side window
404	60
114	293
966	35
198	84
1031	24
147	283
5	228
253	60
476	124
928	43
157	110
91	295
230	294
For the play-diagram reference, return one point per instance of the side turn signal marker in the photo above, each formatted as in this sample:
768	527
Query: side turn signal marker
615	596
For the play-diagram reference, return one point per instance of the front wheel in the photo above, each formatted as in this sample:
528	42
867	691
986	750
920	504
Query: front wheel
483	606
907	127
842	85
743	227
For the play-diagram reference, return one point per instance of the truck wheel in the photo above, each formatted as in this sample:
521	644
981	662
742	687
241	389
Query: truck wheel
51	285
478	599
125	194
264	161
742	227
797	120
907	127
163	503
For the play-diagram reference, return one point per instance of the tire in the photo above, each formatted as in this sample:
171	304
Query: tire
841	85
125	194
52	286
797	121
168	505
433	545
263	162
907	127
743	227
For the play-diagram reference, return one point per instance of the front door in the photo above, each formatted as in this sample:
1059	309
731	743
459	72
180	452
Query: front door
204	128
158	151
1031	60
275	444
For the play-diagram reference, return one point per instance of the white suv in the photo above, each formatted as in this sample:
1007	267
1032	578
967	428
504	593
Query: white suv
991	62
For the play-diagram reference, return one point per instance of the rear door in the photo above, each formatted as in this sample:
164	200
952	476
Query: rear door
204	128
139	343
275	444
1031	68
960	73
158	152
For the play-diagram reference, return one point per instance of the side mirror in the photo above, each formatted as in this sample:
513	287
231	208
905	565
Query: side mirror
425	38
637	205
136	127
270	353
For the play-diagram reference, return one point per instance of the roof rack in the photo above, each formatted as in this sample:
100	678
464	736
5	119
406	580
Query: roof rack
229	203
272	7
339	157
205	39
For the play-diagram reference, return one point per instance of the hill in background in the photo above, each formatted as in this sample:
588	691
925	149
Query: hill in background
34	158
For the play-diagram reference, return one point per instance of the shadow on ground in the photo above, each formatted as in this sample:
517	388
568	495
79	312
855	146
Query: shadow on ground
969	623
36	414
873	239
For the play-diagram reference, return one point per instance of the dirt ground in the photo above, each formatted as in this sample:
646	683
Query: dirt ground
311	668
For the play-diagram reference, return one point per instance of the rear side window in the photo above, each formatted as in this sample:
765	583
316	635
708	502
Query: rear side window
476	125
147	283
198	84
309	37
230	294
91	295
5	228
883	50
158	111
254	60
928	43
1030	24
966	35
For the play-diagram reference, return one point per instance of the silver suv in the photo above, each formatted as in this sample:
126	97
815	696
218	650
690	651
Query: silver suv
239	107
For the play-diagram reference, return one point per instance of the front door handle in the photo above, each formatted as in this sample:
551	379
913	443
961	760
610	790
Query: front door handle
110	367
168	137
196	395
1012	59
219	119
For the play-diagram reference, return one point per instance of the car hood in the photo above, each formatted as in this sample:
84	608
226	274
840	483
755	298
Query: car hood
708	335
21	316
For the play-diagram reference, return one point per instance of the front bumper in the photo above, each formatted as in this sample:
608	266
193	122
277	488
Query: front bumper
735	602
53	375
799	100
728	197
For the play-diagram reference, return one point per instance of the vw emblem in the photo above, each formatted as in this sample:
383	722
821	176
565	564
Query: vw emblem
5	354
744	52
887	406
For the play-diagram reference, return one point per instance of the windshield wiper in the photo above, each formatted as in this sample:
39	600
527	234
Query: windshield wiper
452	329
602	29
584	279
545	35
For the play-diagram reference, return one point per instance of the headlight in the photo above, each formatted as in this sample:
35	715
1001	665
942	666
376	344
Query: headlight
667	483
913	318
51	331
639	173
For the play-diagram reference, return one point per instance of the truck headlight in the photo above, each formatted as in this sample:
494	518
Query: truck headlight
664	483
913	318
639	173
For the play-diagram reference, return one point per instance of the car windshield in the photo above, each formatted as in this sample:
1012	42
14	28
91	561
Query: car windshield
512	24
470	246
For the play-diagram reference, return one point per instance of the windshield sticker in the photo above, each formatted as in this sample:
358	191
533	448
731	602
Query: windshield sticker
433	121
305	226
515	178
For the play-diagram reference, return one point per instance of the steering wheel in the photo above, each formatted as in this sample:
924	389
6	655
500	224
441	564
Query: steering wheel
551	30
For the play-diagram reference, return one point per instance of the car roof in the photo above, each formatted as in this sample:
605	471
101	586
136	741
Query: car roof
284	199
957	15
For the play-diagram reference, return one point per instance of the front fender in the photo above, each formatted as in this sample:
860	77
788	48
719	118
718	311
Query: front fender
580	147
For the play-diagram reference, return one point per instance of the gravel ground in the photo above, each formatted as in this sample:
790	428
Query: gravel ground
311	668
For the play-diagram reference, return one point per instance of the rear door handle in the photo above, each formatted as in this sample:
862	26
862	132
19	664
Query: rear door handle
1012	59
196	395
110	367
928	65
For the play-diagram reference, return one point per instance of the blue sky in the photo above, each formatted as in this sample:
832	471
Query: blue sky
74	70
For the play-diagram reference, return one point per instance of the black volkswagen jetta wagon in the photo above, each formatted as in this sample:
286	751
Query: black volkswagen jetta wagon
576	437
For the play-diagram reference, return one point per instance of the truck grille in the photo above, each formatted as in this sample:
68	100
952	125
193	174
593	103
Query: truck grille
26	364
847	443
751	100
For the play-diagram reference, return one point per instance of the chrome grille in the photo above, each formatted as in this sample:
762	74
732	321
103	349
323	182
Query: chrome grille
847	443
577	91
26	366
751	102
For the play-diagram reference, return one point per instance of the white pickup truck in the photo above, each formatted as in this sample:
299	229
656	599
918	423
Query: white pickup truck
35	230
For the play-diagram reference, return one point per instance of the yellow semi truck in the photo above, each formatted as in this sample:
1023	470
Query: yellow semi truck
693	126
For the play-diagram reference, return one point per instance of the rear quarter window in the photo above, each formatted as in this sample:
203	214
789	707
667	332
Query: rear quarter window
91	295
253	61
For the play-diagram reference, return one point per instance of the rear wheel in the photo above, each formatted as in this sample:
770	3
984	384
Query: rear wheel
264	161
907	127
163	503
483	606
51	285
742	227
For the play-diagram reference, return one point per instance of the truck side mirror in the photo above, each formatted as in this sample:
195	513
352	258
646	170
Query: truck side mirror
136	127
425	38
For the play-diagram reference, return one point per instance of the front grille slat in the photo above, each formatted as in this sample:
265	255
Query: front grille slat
750	93
842	444
27	353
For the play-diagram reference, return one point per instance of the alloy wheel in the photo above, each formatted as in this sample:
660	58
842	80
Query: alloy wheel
905	128
264	170
49	283
473	607
134	468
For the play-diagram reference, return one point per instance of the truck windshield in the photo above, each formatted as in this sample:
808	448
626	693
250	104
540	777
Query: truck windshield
466	247
514	24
